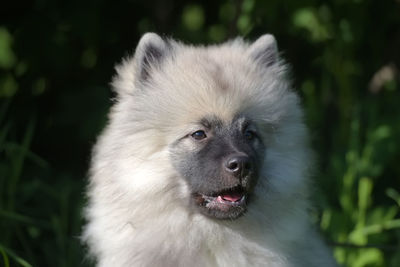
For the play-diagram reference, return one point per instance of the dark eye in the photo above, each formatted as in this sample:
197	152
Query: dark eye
249	135
198	135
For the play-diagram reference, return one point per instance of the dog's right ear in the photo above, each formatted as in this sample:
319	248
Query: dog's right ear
149	54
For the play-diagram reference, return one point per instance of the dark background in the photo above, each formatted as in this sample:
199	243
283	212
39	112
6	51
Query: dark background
56	62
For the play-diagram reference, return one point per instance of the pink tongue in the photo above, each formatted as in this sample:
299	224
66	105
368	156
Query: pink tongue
232	197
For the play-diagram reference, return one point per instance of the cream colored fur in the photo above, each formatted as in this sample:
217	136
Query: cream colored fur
138	212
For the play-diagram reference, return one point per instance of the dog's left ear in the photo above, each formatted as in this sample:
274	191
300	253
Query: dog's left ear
265	50
149	54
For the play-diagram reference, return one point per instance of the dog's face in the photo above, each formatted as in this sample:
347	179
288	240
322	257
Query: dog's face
216	127
219	161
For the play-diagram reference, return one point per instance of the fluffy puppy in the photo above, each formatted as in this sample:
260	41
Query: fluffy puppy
204	162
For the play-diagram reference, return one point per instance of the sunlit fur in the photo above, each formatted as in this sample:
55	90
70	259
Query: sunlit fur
138	212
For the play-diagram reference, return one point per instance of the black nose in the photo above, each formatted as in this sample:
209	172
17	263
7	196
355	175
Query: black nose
238	165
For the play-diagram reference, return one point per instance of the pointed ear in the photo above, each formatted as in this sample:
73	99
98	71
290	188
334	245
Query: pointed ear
149	54
265	50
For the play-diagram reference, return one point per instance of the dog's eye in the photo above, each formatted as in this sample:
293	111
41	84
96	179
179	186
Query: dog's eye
199	135
249	135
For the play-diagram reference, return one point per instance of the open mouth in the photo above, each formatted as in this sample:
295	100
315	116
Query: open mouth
228	203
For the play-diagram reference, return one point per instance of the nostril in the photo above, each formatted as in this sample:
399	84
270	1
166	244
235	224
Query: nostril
233	165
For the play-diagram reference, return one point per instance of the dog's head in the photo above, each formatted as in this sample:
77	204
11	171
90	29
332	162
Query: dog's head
225	116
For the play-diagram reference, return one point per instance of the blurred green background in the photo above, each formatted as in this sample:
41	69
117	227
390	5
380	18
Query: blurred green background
56	62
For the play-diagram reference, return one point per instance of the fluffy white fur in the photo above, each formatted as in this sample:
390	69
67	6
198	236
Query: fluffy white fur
138	212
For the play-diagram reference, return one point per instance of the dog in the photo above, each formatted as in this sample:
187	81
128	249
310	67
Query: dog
205	161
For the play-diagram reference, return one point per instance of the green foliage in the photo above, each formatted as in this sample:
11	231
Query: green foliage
193	17
56	61
7	57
